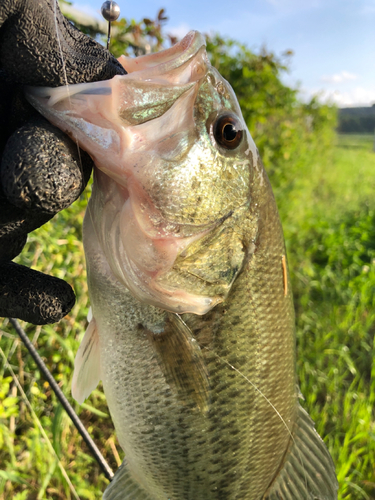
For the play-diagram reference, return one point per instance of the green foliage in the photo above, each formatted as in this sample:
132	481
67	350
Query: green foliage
29	468
330	233
325	195
285	130
136	38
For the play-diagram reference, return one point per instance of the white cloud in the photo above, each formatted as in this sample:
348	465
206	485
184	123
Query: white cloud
358	96
179	31
343	76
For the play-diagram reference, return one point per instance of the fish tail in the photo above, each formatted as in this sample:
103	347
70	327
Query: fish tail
308	471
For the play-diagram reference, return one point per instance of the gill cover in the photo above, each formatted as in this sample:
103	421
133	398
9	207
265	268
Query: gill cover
173	159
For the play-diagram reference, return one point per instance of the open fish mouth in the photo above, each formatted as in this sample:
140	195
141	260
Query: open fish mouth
169	65
167	60
147	134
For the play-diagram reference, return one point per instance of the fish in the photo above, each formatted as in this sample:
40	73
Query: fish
192	329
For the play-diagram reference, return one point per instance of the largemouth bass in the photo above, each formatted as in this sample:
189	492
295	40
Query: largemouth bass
192	328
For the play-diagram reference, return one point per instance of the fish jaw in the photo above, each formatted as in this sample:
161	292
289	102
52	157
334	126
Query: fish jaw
99	115
139	252
150	135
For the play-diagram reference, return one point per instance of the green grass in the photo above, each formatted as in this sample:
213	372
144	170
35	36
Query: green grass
342	179
329	225
29	468
328	214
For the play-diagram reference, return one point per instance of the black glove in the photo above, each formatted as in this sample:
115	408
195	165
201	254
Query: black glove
42	171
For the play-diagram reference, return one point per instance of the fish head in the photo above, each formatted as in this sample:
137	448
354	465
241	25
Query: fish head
174	161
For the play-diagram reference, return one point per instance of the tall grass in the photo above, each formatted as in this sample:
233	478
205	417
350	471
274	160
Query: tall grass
329	221
329	224
28	468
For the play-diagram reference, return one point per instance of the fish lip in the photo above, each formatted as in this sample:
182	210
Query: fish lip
165	60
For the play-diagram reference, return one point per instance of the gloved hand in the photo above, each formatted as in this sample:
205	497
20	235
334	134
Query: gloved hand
41	171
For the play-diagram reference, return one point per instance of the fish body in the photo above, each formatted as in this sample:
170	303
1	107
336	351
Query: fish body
192	331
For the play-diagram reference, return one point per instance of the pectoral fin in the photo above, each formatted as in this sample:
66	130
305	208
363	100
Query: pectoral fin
181	361
308	472
86	374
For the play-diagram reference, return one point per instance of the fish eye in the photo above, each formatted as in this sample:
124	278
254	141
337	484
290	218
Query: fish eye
228	131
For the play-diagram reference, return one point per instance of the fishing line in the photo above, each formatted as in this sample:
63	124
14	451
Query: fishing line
66	78
40	426
111	12
64	402
60	48
38	360
257	389
269	402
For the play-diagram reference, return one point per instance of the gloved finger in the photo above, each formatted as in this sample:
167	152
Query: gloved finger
39	46
42	170
12	242
33	296
15	110
15	223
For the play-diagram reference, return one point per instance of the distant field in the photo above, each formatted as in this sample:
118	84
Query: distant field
342	180
355	140
357	120
329	221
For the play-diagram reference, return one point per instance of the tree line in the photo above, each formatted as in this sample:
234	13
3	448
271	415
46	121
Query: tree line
357	120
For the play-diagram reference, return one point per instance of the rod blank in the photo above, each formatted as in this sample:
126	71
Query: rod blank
64	402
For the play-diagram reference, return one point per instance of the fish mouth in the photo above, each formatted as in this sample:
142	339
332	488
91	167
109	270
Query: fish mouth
131	125
168	59
109	118
159	66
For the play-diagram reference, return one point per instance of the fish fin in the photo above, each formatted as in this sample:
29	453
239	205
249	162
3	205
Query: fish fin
181	361
87	374
308	471
123	486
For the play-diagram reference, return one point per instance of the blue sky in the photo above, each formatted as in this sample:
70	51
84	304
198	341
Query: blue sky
333	41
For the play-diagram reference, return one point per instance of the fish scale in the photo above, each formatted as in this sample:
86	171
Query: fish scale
192	330
249	302
147	395
271	366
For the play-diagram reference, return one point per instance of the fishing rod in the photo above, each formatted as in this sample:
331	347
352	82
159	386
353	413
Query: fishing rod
64	402
110	11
